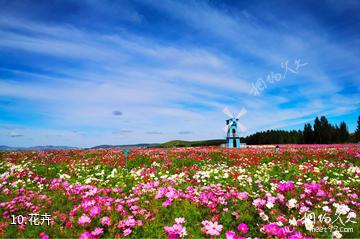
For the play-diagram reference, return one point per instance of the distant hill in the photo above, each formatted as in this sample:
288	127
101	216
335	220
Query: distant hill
4	147
46	147
107	146
183	143
173	143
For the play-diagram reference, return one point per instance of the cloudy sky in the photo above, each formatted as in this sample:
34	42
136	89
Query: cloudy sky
91	72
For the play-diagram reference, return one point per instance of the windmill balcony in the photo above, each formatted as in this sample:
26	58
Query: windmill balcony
233	137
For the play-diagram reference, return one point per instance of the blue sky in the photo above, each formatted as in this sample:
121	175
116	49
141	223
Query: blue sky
92	72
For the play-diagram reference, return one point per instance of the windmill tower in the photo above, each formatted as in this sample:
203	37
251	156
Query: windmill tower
232	128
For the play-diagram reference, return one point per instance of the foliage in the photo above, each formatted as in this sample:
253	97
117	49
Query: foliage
322	132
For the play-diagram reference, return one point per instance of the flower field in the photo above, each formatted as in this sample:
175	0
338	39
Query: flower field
207	192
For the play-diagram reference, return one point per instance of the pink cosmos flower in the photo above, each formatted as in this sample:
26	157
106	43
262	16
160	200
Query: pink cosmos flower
272	229
296	235
84	219
167	203
286	186
121	224
175	231
271	199
68	224
43	235
134	208
312	187
259	202
212	228
6	214
353	195
243	195
120	208
94	211
62	217
303	209
243	228
130	222
127	232
230	235
180	220
105	221
97	232
85	235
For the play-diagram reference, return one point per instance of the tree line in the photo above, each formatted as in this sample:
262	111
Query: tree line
321	132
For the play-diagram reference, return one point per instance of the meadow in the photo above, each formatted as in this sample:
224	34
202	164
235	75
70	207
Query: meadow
303	191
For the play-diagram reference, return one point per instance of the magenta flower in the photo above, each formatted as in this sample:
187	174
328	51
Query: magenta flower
286	186
85	235
68	224
94	211
230	235
312	187
296	235
175	231
6	214
243	228
43	235
321	193
271	229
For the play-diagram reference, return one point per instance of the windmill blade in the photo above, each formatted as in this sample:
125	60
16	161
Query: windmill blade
226	128
227	112
241	113
241	127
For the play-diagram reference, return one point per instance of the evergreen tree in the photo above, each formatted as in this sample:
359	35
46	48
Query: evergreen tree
322	133
325	129
334	134
343	132
317	131
308	134
357	131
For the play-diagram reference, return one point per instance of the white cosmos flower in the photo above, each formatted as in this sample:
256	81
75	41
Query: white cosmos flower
342	209
293	222
264	216
326	208
292	203
351	215
336	234
269	205
309	225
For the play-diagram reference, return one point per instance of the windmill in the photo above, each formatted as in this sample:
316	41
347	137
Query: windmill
232	128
